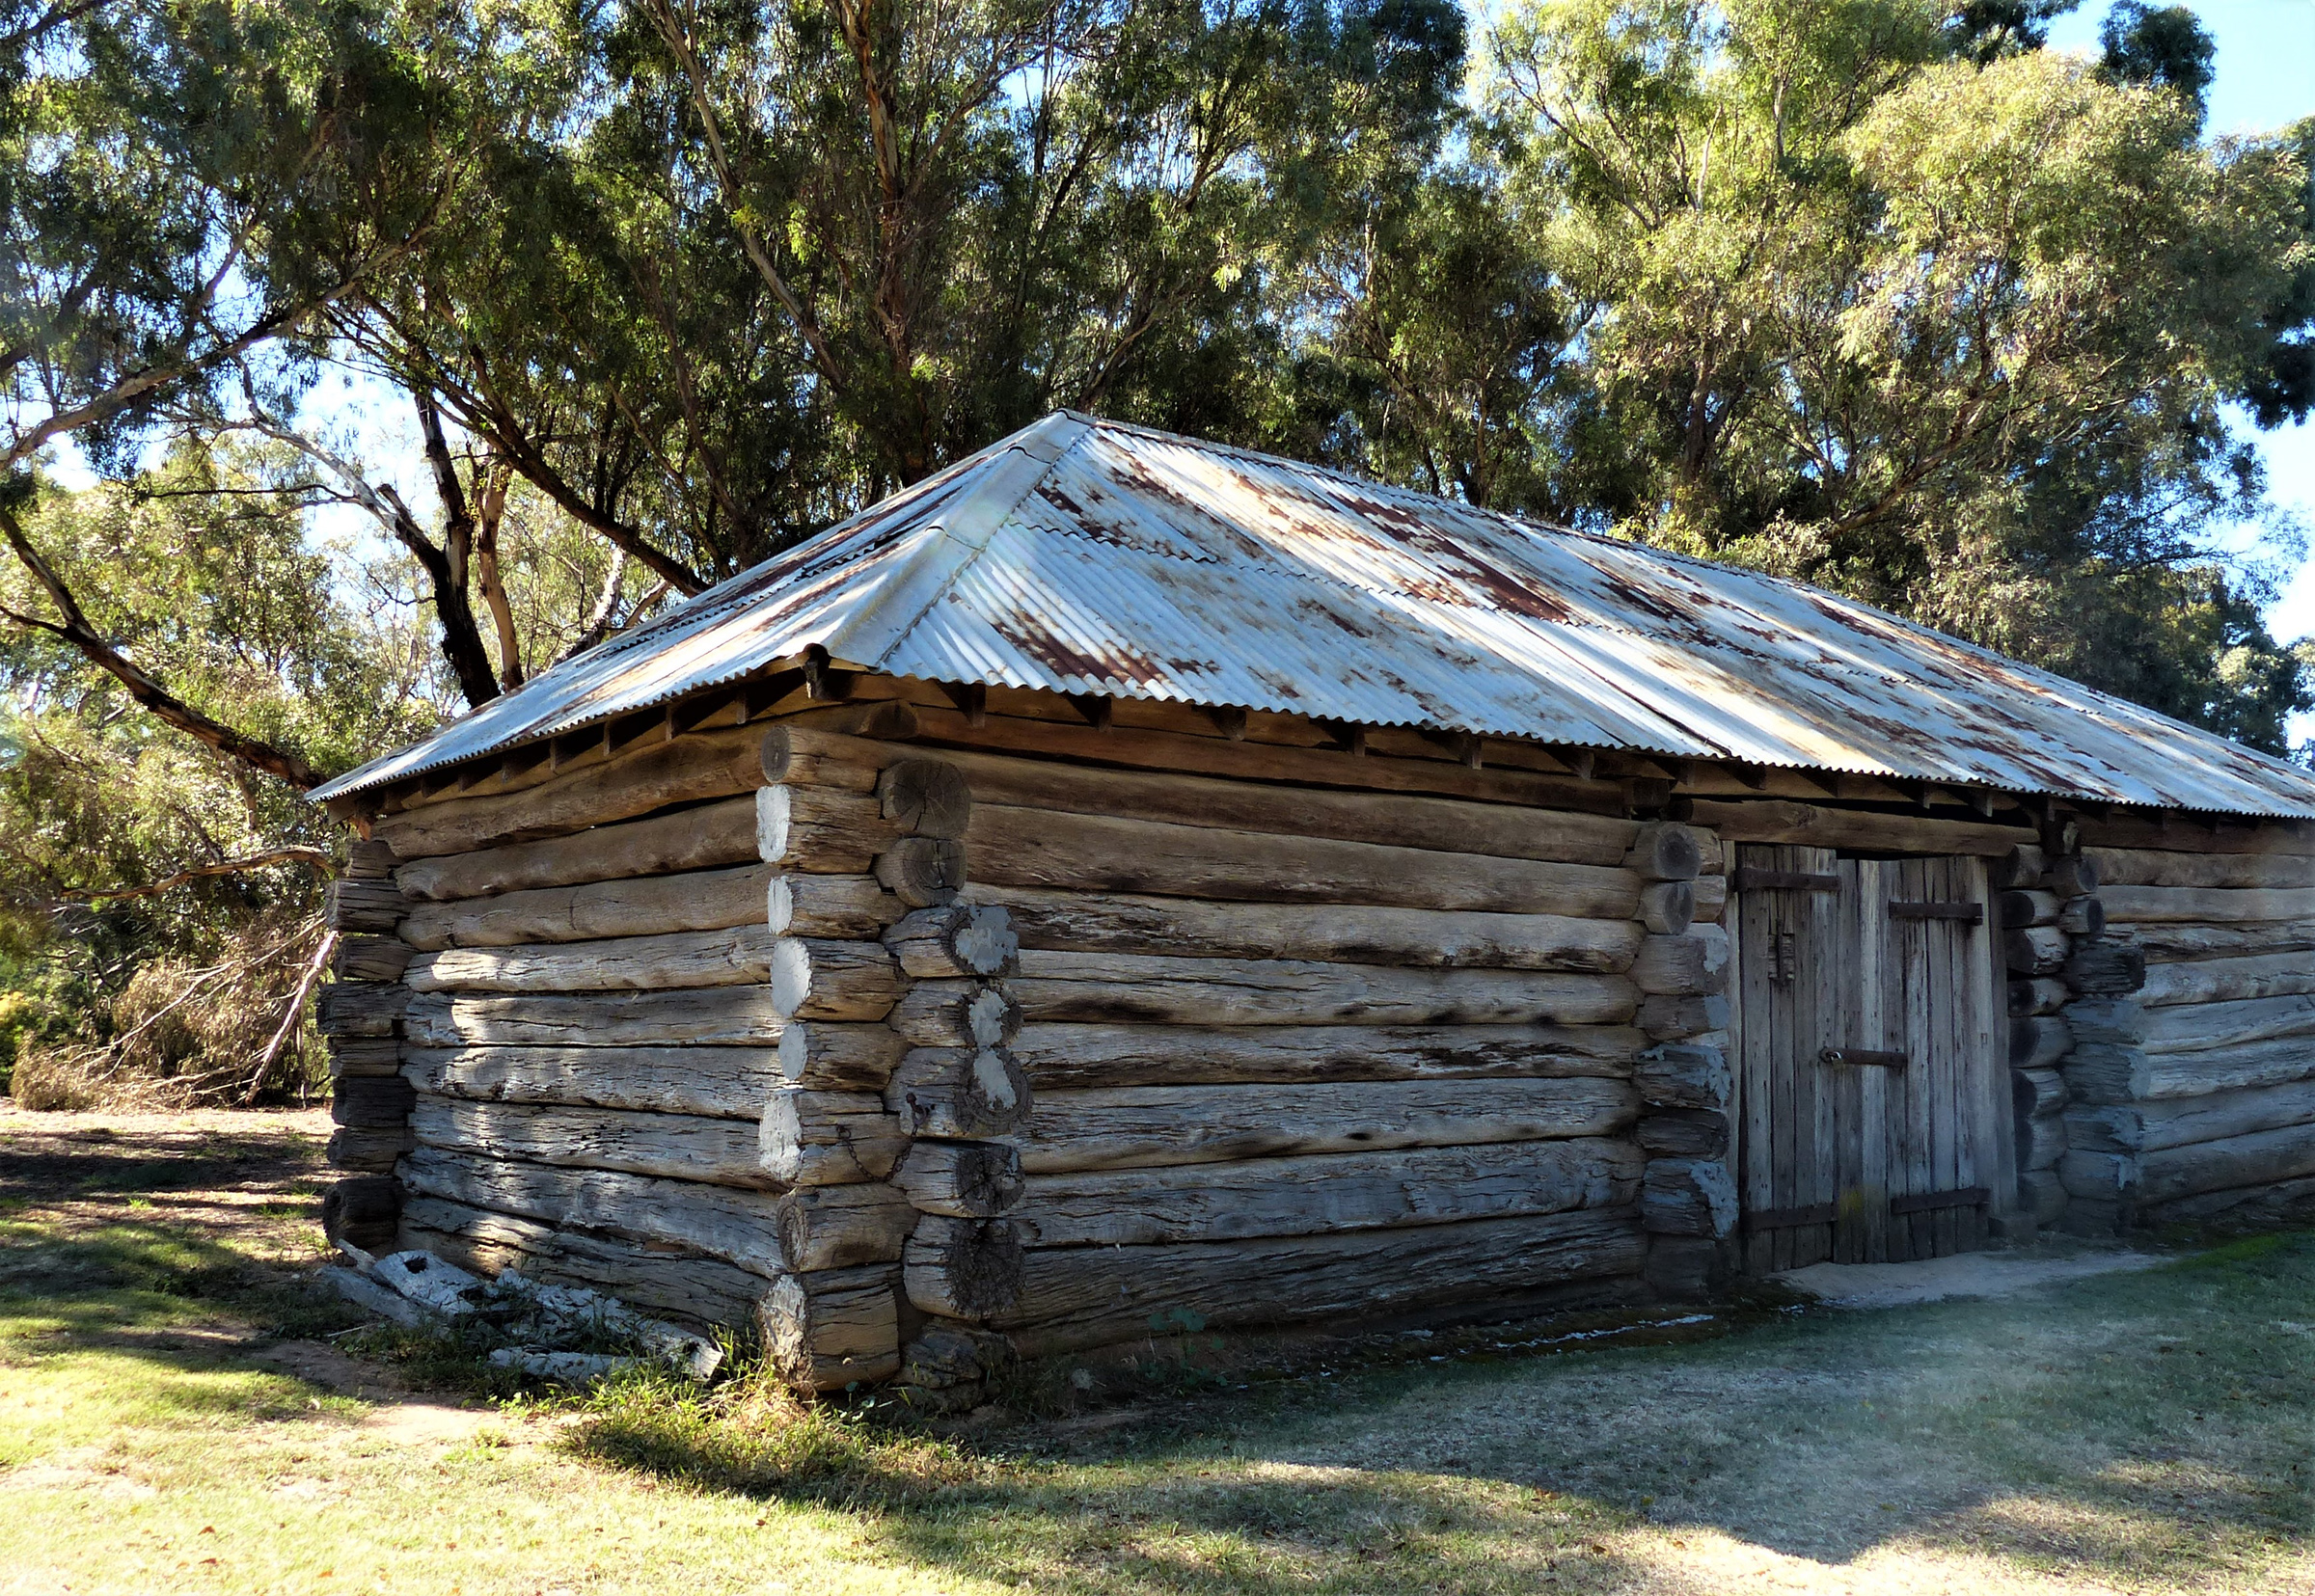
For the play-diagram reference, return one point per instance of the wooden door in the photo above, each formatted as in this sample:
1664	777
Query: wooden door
1870	1089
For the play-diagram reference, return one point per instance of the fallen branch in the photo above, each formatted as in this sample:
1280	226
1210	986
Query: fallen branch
225	867
290	1016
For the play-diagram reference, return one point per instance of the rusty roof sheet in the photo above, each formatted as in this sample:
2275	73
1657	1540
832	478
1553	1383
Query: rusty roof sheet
1085	555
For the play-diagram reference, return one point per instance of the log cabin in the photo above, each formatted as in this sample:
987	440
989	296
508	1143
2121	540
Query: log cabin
1124	881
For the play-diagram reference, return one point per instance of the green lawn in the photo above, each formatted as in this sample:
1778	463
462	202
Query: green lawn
172	1417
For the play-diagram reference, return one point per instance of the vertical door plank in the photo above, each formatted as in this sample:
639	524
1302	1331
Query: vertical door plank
1818	1007
1845	1029
1870	943
1945	1113
1919	996
1997	1139
1788	917
1756	937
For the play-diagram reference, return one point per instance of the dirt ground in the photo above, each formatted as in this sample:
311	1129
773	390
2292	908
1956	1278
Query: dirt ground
178	1411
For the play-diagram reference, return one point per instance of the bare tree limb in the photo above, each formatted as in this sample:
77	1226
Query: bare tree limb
224	867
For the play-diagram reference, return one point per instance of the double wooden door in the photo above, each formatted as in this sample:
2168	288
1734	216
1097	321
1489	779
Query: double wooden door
1872	1098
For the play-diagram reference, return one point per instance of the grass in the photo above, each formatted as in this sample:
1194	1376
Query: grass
174	1416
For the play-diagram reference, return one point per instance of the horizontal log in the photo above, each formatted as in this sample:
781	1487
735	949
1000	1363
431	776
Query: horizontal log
2275	1062
685	1287
959	1092
1386	818
2229	980
2200	1027
819	978
956	941
2021	869
1684	1134
2105	969
370	906
703	838
360	1007
1779	820
2101	1073
956	1013
2204	905
733	957
853	907
842	1227
698	899
716	1082
1685	1075
820	830
1065	1056
1664	852
2241	872
966	1179
2036	950
373	1148
703	765
2039	1042
2175	833
2043	1195
1694	1196
364	1056
1693	963
928	797
370	1100
1090	922
821	1056
1664	1018
1711	902
2165	943
2120	1020
2042	1141
1153	989
2094	1177
828	1138
798	756
2037	995
370	957
698	1017
1121	1128
1040	848
369	860
963	1268
2038	1091
2261	1158
2166	1123
1072	1298
1668	908
739	1227
1304	1195
833	1328
676	1147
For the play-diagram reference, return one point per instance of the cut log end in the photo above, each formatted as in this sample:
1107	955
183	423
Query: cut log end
925	796
922	871
964	1268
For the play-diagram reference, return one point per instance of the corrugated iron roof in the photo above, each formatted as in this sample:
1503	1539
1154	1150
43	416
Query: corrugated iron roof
1085	555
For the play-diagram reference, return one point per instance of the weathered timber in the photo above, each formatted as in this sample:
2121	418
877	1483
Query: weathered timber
966	1179
698	1017
1303	1196
2229	980
2022	868
735	955
2279	1204
1668	908
2041	1139
2036	950
827	1057
363	1209
2120	829
2072	876
1688	1197
1670	1018
2038	1091
1080	1297
371	958
367	859
1088	921
718	1082
2205	906
1778	820
840	1227
1693	962
2163	943
2038	1041
364	1056
2102	1072
963	1268
1064	1056
959	1092
680	1285
373	1148
702	838
819	978
370	1101
365	905
1662	852
360	1007
2043	1195
676	1147
828	1138
2105	1128
956	1013
2092	1176
1685	1075
1225	992
2037	995
2116	1020
2081	917
2200	1027
1120	1127
1042	848
833	1328
2275	1061
804	756
1710	902
964	941
703	765
2238	872
821	830
847	906
2260	1158
923	870
649	906
1383	816
2039	908
2105	969
2164	1123
924	796
739	1225
1684	1134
